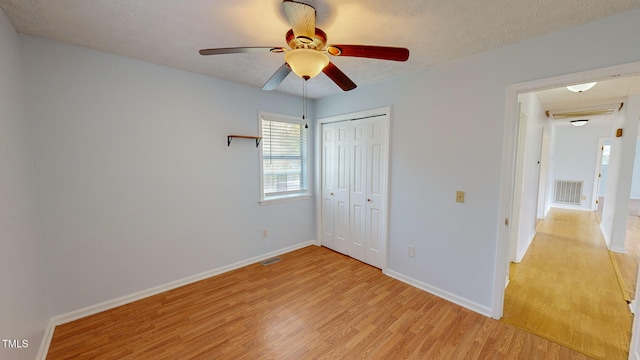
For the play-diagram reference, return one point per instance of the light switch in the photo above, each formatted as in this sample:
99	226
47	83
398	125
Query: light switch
460	196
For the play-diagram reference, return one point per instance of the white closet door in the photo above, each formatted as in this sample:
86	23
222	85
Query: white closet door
354	170
358	189
341	187
375	217
328	185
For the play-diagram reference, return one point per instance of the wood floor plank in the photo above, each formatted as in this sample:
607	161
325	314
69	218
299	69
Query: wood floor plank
565	289
314	304
627	264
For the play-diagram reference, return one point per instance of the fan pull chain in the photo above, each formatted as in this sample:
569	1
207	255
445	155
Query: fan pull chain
304	103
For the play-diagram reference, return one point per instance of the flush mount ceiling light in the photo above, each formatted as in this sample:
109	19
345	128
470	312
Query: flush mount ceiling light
306	63
581	87
578	122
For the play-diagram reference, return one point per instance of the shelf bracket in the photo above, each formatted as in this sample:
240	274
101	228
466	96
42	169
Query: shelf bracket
256	138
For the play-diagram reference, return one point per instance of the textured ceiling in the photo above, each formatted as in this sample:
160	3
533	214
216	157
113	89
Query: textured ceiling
170	32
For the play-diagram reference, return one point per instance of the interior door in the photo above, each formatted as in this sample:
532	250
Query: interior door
328	185
376	191
358	194
341	188
543	175
603	172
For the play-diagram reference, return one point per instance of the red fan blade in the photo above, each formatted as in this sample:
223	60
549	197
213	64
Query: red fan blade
339	77
239	50
277	78
302	18
372	52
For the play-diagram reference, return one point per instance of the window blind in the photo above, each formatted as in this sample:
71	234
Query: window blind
284	157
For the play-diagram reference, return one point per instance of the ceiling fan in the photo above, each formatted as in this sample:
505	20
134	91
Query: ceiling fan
308	49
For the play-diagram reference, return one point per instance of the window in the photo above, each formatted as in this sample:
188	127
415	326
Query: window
606	152
283	157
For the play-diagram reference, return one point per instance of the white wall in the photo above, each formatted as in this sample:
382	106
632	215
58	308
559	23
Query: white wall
617	194
576	153
613	175
447	134
635	182
136	183
23	296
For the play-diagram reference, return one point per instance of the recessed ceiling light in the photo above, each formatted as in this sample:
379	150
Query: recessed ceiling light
581	87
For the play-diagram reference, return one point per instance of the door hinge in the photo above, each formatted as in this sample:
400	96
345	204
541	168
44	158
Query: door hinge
506	222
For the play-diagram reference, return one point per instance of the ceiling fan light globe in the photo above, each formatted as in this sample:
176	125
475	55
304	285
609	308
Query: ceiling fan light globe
306	63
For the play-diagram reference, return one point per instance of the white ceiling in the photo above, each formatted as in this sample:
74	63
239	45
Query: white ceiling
607	92
170	32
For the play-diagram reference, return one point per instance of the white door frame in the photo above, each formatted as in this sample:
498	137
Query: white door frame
507	176
383	111
518	186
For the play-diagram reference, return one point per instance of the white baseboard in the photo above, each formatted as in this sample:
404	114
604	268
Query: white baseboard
605	235
522	252
570	207
618	250
46	341
110	304
471	305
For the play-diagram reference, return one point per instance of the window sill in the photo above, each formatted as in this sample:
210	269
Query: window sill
283	199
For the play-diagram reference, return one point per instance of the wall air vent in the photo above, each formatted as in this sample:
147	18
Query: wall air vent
568	192
269	261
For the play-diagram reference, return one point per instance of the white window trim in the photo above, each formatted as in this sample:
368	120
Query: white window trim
291	197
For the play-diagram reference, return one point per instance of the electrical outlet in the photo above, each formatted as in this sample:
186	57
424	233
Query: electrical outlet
265	232
411	251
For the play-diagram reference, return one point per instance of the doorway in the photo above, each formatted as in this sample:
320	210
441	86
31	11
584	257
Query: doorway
509	181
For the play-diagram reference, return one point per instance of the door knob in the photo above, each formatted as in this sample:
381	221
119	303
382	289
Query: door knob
369	200
331	194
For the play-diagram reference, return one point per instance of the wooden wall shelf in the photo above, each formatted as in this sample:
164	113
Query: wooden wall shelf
256	138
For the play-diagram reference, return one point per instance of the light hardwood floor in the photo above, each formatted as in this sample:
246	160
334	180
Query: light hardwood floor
566	290
628	263
314	304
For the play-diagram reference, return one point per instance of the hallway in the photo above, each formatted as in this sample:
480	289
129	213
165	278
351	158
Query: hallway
565	289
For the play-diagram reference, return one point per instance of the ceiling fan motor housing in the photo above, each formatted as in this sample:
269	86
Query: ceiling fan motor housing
304	42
